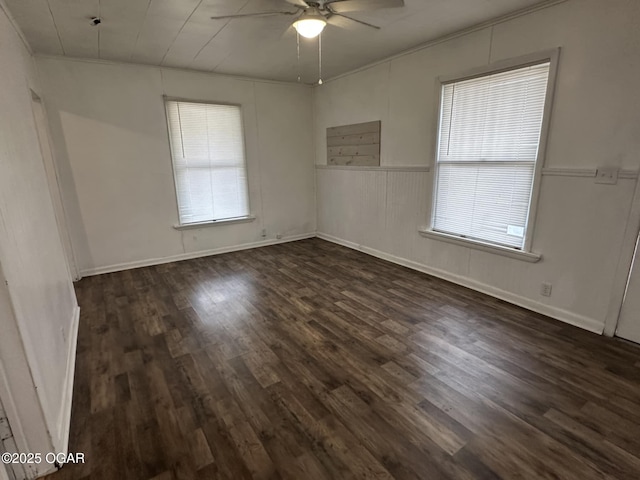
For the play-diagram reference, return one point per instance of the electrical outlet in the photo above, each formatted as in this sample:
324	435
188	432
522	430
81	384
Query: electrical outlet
278	236
545	289
264	233
607	175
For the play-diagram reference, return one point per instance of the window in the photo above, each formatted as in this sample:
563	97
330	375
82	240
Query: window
209	166
489	136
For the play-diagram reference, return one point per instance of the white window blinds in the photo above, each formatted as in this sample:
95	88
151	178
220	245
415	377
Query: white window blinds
488	144
207	148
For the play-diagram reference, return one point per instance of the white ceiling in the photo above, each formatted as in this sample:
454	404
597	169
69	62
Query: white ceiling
180	33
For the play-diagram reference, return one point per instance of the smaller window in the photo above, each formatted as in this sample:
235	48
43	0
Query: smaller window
209	166
489	137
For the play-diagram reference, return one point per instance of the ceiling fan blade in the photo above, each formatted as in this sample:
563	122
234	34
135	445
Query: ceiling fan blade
298	3
344	6
259	14
342	21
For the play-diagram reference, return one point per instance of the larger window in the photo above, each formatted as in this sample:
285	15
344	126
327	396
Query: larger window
489	136
207	148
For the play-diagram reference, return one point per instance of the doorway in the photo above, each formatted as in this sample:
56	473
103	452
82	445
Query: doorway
629	320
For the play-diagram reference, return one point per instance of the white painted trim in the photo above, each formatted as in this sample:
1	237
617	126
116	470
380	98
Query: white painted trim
20	398
42	470
552	57
541	157
169	98
9	409
3	473
569	172
381	168
187	256
314	158
162	67
64	419
245	161
585	172
623	268
213	223
16	28
626	174
50	164
450	36
504	65
479	245
565	316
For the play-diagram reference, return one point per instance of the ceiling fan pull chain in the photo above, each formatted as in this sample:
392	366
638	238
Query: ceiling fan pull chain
320	59
298	46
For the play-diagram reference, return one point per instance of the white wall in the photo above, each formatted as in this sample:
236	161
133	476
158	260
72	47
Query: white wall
38	311
579	226
110	141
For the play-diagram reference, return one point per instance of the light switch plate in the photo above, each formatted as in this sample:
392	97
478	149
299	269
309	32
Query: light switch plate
607	175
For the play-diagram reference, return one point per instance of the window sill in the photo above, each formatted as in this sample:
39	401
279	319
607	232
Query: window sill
213	223
485	247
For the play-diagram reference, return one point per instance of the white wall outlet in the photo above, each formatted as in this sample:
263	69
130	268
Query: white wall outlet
264	233
607	175
545	289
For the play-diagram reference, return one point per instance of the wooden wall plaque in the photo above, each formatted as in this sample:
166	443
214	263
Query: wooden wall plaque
354	145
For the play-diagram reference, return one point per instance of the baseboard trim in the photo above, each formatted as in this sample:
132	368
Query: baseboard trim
565	316
188	256
64	421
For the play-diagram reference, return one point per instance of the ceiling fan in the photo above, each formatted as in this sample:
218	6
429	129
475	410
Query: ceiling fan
313	15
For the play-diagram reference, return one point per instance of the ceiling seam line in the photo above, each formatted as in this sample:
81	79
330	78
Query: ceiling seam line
55	25
216	34
100	17
180	31
135	45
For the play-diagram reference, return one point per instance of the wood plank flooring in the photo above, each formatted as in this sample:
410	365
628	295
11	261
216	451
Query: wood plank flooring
310	361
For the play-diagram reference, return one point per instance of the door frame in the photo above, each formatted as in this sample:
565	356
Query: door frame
17	388
53	181
3	473
625	262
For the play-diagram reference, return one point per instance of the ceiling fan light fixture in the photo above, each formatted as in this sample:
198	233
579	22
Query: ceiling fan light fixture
310	25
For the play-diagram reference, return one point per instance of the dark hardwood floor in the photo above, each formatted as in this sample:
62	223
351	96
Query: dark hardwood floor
311	361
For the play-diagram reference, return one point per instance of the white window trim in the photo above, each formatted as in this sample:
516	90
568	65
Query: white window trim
223	221
213	223
525	253
483	246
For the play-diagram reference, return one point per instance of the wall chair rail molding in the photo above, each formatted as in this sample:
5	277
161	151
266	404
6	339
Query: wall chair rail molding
381	168
585	172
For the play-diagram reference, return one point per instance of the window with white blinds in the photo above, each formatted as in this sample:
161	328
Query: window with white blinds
207	148
488	145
